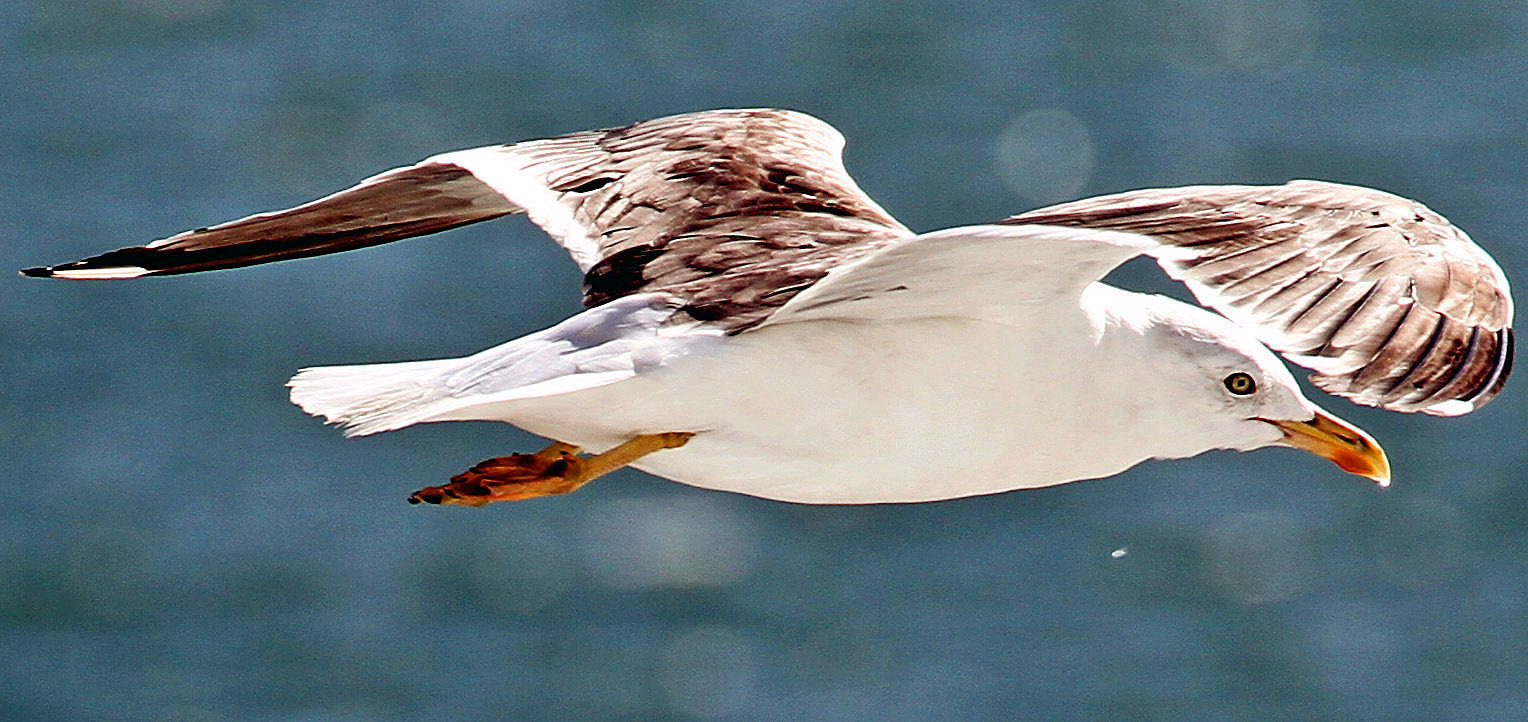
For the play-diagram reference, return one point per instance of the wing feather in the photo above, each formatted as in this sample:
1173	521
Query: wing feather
641	208
400	203
1389	303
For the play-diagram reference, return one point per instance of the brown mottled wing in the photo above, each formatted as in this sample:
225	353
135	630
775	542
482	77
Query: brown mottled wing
732	211
1388	302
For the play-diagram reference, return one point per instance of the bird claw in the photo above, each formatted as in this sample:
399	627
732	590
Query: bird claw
554	470
557	469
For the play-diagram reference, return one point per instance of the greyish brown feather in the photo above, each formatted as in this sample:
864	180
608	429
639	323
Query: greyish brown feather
1391	304
732	211
398	204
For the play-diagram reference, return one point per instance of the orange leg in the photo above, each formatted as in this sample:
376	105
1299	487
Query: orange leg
557	469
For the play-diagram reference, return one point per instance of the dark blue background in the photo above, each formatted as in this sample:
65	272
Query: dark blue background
179	543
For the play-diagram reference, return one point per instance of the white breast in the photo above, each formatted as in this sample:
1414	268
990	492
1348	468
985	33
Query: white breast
857	412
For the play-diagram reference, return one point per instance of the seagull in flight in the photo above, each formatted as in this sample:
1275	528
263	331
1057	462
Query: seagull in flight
755	323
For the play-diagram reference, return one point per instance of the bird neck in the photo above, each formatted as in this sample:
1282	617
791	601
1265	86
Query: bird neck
1141	377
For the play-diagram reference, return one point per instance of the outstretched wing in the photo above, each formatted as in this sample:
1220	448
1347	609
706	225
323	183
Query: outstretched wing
733	211
1389	303
400	203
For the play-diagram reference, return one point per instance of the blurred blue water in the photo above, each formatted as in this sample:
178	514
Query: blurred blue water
181	544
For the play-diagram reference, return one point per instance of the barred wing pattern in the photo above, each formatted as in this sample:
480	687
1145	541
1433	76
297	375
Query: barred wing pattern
1390	304
731	211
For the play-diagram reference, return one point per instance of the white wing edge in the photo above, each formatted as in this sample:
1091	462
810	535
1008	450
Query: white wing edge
507	171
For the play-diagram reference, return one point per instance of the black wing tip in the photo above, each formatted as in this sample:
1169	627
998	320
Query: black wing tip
1455	402
105	266
1503	368
1493	383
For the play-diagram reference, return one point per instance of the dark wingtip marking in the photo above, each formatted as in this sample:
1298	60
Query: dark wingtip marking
1461	383
1508	346
38	272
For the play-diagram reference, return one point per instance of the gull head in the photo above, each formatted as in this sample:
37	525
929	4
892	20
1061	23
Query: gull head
1221	388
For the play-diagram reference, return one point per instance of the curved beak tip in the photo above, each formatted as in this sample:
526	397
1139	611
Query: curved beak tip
1344	444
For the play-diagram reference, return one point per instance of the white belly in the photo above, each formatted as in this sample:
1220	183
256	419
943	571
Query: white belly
843	412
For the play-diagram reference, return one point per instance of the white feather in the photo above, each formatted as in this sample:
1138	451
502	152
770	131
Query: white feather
600	346
508	170
102	273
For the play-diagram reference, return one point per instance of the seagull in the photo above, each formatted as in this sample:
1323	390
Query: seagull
755	323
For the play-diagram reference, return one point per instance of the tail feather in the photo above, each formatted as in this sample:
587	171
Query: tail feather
372	398
600	346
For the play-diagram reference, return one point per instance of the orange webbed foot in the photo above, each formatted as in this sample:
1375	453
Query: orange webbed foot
554	470
557	469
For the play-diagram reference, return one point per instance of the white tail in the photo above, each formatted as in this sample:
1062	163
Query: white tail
372	398
600	346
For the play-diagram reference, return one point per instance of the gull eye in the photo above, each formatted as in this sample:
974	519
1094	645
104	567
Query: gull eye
1240	384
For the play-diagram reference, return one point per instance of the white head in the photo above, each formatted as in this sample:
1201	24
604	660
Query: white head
1220	388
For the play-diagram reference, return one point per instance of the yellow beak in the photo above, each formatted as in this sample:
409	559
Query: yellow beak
1345	444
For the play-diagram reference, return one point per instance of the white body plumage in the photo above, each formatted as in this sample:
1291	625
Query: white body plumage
841	411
